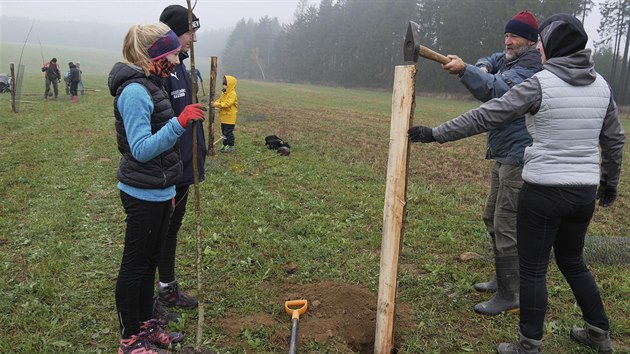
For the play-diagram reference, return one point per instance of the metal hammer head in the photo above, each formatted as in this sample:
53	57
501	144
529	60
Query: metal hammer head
412	41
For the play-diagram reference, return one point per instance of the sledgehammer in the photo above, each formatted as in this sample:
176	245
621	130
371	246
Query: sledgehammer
413	49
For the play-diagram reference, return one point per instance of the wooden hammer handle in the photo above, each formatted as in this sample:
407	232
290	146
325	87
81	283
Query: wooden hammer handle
430	54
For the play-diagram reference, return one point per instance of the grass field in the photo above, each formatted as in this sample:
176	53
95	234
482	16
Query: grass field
273	227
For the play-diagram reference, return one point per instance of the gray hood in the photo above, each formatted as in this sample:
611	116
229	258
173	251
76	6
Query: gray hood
576	69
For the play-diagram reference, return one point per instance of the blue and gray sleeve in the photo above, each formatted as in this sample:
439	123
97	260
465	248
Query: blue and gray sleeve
135	106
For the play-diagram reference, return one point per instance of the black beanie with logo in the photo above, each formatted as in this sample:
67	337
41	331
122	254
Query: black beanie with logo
562	35
176	17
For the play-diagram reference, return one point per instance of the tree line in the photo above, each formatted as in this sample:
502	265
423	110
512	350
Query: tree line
356	43
614	48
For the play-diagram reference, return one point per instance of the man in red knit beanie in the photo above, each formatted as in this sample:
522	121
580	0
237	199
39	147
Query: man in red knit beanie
489	78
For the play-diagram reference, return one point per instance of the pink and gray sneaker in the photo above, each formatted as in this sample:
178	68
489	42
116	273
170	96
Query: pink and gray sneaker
155	333
139	344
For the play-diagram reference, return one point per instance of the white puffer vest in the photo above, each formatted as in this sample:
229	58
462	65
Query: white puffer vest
565	133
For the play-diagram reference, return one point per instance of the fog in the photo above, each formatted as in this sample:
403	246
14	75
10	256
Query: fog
57	25
103	24
113	17
214	14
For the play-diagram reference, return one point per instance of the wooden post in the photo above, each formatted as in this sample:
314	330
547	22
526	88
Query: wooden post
403	104
195	162
212	91
12	86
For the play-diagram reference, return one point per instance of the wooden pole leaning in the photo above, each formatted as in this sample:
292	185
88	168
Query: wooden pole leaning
195	154
212	91
403	105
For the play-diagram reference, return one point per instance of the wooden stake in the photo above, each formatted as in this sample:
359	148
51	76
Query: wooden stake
13	105
212	90
403	104
195	154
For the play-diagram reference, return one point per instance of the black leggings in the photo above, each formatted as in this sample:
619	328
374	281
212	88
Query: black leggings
147	223
166	267
555	217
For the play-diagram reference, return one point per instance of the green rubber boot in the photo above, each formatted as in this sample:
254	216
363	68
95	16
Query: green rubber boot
506	297
489	286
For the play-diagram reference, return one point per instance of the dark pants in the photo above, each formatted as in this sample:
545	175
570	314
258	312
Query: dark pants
228	132
499	214
73	87
147	223
55	87
166	267
555	217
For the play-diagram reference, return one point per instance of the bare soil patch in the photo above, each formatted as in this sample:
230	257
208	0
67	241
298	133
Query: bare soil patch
338	313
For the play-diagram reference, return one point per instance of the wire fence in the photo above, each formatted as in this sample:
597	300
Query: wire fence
597	249
607	249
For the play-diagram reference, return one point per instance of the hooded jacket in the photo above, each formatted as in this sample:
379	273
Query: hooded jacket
228	102
160	171
75	74
570	112
507	143
51	71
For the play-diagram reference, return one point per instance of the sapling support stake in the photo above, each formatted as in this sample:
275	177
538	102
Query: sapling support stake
13	106
212	91
14	82
196	184
41	52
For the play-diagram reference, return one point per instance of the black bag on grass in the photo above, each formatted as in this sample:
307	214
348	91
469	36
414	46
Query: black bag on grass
274	142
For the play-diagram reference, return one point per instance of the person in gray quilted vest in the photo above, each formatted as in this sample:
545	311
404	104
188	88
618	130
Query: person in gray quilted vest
574	160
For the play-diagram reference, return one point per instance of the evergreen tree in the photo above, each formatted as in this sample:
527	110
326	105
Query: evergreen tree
357	43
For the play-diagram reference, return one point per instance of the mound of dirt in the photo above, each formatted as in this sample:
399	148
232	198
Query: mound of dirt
337	313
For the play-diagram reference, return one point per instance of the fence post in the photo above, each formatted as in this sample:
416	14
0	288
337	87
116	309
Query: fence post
403	104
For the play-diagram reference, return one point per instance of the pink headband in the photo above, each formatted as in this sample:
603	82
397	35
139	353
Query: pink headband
164	46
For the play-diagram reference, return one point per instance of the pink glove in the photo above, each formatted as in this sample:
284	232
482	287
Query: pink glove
190	112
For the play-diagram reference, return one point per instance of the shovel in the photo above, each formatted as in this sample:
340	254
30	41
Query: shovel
295	308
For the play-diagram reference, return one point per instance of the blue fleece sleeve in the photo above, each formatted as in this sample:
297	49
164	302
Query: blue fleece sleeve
135	106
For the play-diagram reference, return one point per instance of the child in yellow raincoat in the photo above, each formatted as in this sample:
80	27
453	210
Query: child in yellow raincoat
228	108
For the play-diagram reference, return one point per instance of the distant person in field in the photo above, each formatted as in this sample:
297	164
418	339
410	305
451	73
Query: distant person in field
228	110
147	132
198	78
178	87
574	159
52	76
80	86
66	80
74	79
489	78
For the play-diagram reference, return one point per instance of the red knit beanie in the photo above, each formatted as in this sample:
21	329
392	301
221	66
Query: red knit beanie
523	24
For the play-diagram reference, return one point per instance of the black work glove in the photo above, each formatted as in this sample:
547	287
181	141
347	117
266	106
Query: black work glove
420	133
606	194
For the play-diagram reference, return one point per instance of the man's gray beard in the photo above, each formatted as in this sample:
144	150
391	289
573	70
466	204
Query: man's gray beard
517	53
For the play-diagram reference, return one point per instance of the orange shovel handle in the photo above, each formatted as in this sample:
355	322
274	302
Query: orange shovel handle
290	308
